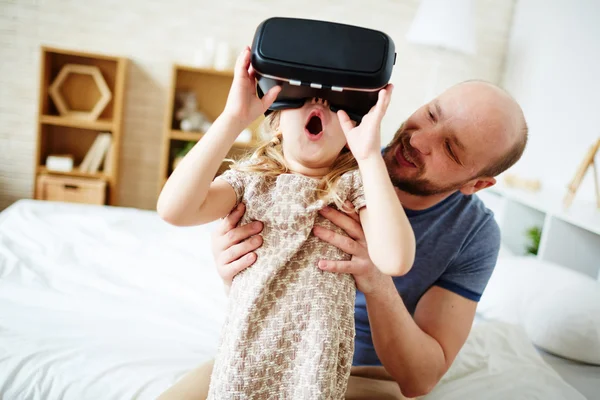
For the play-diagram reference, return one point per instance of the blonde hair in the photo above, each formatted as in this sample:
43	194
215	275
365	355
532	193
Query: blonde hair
268	160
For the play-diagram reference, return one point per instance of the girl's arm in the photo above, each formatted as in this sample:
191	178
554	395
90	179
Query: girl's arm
190	197
389	235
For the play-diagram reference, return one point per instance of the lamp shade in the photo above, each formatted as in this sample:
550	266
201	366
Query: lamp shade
447	24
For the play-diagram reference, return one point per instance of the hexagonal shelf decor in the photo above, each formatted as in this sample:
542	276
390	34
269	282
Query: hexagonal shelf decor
76	102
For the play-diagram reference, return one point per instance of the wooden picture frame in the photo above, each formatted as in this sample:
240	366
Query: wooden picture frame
587	162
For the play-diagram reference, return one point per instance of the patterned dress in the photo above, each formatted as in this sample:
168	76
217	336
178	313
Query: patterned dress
289	330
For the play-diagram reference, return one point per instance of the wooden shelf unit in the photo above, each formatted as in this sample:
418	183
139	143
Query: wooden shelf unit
211	88
195	136
60	134
98	125
186	136
42	170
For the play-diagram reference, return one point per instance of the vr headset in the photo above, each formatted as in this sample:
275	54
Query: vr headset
343	64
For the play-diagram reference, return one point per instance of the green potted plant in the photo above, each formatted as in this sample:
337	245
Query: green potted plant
534	234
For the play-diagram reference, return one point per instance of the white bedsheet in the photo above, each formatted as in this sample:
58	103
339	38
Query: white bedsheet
112	303
498	362
102	303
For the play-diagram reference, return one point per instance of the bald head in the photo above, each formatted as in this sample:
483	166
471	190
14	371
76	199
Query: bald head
494	112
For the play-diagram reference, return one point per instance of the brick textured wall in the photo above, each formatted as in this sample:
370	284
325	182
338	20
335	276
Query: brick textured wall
156	33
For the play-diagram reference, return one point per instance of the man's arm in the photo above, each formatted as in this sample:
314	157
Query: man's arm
415	352
418	352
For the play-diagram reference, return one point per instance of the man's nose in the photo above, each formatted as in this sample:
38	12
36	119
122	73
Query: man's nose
422	141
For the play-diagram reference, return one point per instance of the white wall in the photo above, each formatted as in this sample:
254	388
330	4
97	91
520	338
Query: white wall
553	69
156	33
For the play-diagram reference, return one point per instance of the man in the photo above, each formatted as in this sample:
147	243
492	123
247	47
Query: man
409	329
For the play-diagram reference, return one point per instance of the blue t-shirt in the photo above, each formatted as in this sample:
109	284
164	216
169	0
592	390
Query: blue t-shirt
458	241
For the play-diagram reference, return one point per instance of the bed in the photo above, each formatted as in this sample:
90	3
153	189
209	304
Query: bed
101	302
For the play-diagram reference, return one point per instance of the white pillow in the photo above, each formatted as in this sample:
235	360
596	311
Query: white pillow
558	307
567	322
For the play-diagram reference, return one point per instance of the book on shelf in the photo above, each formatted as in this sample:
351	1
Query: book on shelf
97	153
107	165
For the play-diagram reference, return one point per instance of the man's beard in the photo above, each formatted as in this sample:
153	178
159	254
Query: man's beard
417	186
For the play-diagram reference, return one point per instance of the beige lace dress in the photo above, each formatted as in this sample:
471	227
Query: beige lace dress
289	330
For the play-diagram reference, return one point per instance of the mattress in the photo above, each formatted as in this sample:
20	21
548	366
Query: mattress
102	303
112	303
584	377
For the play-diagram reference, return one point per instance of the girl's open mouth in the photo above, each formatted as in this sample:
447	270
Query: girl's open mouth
314	125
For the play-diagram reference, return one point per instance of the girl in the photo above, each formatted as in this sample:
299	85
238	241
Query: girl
289	330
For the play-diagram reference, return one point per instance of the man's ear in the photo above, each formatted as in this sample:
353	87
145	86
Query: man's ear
477	184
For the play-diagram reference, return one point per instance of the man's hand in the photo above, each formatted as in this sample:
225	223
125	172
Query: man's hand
368	277
233	246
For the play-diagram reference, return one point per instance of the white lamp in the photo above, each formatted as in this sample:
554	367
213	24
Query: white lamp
445	25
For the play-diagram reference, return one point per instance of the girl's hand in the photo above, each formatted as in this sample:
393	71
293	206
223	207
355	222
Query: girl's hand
364	140
243	103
